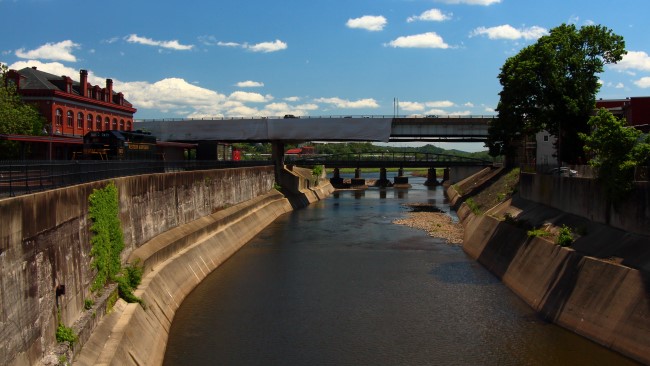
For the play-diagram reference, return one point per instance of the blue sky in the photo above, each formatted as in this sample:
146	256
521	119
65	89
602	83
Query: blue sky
270	58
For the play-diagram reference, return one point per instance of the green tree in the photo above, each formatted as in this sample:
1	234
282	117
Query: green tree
16	117
616	150
552	85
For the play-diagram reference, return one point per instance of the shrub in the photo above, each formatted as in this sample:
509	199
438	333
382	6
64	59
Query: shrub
88	304
565	237
65	334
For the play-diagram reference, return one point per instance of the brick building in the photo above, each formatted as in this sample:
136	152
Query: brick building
635	110
73	108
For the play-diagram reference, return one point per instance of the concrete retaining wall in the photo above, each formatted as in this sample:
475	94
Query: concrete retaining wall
44	243
601	300
585	198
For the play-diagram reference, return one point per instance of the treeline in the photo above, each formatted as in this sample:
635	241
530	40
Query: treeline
253	150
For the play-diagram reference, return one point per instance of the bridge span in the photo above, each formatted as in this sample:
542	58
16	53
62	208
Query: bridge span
328	128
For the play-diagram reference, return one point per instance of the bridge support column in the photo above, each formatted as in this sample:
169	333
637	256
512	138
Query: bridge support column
445	175
336	180
357	181
277	156
400	180
383	180
432	178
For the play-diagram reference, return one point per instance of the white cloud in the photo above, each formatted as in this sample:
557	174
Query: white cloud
507	31
247	97
411	106
432	15
633	60
644	82
249	84
424	40
292	99
469	105
344	103
372	23
61	51
440	104
172	45
266	47
170	94
228	44
472	2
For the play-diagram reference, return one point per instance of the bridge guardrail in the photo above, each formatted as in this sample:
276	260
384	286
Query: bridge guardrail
223	118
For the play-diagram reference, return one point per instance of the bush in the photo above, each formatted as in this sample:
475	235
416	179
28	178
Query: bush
88	304
65	334
565	237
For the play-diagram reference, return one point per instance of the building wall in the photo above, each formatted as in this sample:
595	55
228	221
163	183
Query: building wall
545	149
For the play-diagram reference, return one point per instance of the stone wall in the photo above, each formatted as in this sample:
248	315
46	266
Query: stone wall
44	244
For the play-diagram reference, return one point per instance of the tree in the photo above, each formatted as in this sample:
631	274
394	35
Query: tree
552	85
16	117
616	150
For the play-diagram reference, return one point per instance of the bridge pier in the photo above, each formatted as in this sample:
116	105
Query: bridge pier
336	180
432	178
357	181
383	180
277	156
445	175
400	180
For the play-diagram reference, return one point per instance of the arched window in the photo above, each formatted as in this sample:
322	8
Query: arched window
107	124
58	117
128	125
70	118
115	123
98	123
80	120
89	122
122	124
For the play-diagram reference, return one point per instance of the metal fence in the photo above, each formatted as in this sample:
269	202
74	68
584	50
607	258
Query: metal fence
641	173
29	176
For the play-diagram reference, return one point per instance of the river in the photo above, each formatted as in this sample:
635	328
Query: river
337	283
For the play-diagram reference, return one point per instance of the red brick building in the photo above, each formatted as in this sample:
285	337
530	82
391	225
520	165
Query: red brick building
635	110
73	108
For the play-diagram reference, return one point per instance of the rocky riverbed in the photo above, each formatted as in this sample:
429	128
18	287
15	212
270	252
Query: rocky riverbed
437	224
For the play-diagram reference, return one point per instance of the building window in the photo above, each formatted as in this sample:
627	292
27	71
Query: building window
122	124
115	123
98	123
59	117
128	125
80	120
107	124
89	122
545	138
70	118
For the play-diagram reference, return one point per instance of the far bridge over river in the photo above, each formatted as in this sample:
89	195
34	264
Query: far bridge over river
291	129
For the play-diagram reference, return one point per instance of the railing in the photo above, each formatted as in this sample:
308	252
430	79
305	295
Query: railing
26	176
378	159
222	118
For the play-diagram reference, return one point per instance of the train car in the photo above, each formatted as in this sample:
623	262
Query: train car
119	145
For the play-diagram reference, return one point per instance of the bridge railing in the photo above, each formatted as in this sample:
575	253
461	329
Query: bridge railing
29	176
390	158
223	118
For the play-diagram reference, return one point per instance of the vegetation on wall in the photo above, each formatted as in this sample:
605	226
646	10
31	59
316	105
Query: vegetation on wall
107	244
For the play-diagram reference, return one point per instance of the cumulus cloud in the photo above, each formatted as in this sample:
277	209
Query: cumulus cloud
249	84
372	23
472	2
509	32
411	106
432	15
266	47
644	82
424	40
344	103
172	45
633	60
292	99
228	44
61	51
440	104
247	97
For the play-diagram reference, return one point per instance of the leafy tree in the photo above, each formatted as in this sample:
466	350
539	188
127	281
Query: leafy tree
616	150
16	117
552	85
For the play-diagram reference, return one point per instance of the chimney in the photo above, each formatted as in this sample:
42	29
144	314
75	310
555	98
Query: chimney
83	80
68	83
109	90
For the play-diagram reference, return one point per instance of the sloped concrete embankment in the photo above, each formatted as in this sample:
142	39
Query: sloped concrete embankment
583	290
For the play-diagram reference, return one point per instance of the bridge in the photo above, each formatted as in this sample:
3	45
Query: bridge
450	128
382	159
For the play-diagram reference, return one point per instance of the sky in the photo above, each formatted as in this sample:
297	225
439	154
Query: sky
197	59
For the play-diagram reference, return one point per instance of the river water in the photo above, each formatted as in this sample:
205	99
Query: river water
337	283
